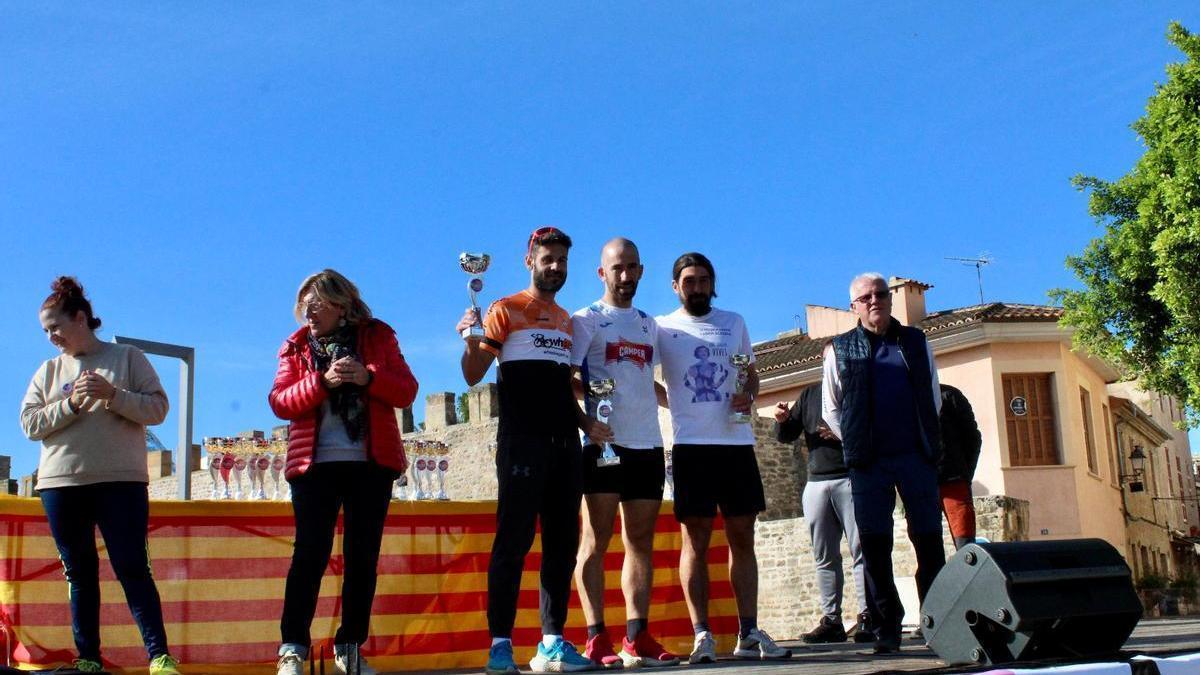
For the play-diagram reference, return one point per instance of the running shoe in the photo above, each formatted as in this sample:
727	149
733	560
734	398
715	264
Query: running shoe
645	651
561	657
759	645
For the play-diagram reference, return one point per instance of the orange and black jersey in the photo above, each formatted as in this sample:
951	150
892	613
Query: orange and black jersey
531	340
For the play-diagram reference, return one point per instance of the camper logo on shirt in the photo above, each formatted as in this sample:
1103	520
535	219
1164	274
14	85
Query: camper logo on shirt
624	351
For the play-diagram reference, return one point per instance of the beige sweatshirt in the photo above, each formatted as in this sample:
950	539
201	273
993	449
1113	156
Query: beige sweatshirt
105	441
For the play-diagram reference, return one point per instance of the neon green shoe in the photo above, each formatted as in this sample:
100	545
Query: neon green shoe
88	666
164	664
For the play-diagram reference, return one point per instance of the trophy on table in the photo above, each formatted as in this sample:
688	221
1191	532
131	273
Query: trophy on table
252	474
263	466
214	472
227	464
474	264
239	466
419	471
603	391
443	465
400	489
277	464
741	363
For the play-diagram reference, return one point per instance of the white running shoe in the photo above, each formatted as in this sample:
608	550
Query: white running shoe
343	664
704	650
758	645
290	664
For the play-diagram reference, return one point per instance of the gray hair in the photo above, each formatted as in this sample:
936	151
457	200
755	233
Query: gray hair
872	277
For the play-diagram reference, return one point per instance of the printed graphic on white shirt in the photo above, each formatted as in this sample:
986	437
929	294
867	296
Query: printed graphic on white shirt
619	344
700	379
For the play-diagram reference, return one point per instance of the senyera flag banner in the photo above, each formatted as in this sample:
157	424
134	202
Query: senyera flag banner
221	566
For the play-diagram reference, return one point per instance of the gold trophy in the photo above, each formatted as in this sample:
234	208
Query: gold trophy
741	363
474	264
603	391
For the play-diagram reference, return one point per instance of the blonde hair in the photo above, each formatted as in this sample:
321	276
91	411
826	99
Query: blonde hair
330	286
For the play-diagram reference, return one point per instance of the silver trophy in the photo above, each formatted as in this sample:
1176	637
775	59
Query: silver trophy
400	488
214	472
740	362
474	264
263	466
277	464
603	391
430	472
420	474
239	467
670	480
227	464
443	465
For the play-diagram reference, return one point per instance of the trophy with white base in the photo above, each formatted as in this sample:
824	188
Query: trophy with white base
741	363
214	472
603	391
443	465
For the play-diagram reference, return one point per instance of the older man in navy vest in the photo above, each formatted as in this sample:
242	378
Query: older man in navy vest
880	396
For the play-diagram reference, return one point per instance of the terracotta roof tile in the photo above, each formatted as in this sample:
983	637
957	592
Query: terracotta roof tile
795	352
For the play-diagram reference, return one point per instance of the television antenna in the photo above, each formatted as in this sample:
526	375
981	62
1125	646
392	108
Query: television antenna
977	263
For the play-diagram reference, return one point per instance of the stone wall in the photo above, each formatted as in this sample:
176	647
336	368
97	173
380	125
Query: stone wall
784	471
788	602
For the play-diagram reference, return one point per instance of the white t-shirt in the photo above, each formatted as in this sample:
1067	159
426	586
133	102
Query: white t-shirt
700	381
616	343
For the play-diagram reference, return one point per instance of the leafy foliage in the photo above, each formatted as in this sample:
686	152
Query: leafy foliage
464	410
1140	306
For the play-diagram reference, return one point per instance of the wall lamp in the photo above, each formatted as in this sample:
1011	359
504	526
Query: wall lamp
1137	462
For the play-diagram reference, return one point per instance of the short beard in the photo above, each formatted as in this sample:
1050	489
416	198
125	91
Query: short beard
698	305
617	293
543	284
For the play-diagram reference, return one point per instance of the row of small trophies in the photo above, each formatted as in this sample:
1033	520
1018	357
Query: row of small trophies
254	459
427	460
231	459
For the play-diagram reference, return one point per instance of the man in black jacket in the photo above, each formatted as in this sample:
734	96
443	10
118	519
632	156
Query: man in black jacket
960	453
829	512
880	396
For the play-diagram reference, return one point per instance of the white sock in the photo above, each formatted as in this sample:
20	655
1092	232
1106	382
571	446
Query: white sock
549	640
496	641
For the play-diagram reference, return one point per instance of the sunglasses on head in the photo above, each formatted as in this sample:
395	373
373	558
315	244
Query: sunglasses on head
539	233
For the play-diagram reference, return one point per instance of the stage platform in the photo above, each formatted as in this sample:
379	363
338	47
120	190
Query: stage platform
1153	637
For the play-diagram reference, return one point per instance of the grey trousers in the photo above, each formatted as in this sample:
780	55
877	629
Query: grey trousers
829	510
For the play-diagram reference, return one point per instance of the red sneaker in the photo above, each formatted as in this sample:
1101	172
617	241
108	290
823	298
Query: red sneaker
600	651
645	651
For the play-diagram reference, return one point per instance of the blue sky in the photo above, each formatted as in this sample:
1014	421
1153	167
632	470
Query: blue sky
191	163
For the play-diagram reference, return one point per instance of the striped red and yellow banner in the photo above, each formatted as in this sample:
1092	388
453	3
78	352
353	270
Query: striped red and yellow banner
221	566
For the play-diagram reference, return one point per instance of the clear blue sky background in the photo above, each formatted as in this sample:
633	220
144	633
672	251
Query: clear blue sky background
192	162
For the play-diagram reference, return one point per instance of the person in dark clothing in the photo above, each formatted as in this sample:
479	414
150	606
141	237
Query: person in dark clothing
880	395
961	441
829	512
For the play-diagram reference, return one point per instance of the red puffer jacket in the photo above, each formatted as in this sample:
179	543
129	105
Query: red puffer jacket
298	393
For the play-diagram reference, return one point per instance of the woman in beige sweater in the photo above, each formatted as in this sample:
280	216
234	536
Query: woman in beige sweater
89	407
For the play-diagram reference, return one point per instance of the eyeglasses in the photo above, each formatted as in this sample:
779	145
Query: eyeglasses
314	306
879	296
541	232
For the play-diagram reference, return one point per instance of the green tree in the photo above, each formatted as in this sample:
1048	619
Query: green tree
464	410
1140	306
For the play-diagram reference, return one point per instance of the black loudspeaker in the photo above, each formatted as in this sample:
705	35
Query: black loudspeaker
1023	601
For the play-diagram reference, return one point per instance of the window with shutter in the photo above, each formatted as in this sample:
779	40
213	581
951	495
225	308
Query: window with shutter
1029	419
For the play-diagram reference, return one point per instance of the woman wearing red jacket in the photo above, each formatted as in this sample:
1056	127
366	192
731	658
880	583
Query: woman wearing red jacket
341	376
